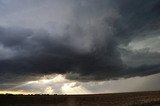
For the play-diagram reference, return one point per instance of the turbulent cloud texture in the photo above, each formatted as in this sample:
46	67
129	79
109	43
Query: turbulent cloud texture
86	40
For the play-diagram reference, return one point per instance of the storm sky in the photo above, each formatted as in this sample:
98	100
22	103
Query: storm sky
77	45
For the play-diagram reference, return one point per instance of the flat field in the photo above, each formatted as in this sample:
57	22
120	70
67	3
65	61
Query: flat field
115	99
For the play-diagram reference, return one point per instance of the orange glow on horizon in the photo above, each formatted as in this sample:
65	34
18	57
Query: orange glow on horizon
16	92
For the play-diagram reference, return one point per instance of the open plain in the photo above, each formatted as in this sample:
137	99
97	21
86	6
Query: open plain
115	99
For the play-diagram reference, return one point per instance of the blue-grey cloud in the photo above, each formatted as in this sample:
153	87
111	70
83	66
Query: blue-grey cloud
86	40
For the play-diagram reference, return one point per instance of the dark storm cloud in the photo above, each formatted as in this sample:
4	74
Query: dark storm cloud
38	53
89	47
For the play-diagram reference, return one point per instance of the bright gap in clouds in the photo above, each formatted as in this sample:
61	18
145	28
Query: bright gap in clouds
53	84
73	88
58	84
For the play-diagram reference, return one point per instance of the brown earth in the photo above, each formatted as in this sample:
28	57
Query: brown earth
115	99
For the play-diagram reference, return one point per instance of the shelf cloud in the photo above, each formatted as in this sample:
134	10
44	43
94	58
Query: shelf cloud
85	40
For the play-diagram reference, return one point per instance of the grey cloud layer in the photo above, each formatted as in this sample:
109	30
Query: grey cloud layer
90	43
